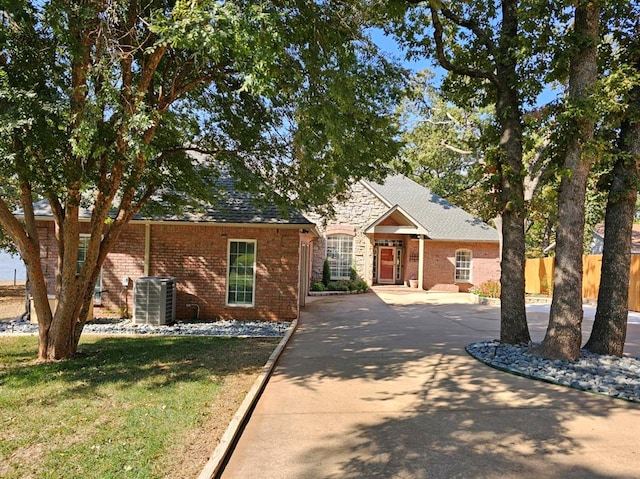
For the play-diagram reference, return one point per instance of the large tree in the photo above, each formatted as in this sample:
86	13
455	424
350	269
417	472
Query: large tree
442	146
487	48
564	332
101	99
610	326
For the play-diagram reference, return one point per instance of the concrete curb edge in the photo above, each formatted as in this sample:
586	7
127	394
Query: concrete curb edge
225	446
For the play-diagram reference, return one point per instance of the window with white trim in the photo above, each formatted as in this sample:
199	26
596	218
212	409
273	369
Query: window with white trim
241	272
83	249
463	265
340	256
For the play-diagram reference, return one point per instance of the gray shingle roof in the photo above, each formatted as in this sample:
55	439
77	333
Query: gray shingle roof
234	207
239	207
441	219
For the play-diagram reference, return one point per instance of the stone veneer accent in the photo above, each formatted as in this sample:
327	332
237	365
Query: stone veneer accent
359	211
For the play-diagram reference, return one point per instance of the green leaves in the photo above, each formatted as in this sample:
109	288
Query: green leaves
442	148
286	93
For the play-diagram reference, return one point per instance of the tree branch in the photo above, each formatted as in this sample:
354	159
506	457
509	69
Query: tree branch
454	149
438	34
479	32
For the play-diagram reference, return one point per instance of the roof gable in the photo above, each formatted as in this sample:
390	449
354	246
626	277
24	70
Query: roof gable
440	219
396	221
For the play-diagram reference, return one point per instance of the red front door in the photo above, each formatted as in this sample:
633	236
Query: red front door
386	265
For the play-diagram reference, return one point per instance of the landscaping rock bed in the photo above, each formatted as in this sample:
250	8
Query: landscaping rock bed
201	328
608	375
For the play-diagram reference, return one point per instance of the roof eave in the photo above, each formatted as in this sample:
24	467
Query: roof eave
309	226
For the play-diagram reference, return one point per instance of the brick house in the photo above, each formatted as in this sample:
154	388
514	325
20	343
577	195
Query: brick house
202	252
399	231
391	233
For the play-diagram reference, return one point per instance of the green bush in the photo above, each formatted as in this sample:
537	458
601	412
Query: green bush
339	286
326	273
357	285
360	286
353	274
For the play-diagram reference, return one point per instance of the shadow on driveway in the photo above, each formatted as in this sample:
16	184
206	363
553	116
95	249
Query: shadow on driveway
379	386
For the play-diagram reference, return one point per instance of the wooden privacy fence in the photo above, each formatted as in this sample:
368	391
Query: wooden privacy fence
538	276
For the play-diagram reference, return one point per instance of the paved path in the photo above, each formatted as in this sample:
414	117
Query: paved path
379	386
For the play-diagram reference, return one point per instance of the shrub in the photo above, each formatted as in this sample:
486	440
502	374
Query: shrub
357	285
353	274
326	273
360	285
317	286
339	286
488	289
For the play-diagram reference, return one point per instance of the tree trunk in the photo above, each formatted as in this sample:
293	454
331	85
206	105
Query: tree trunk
564	333
513	319
610	326
38	289
503	83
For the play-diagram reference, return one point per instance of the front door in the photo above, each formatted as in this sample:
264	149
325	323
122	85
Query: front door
386	265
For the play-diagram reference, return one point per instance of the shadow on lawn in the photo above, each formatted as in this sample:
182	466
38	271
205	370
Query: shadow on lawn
455	417
153	362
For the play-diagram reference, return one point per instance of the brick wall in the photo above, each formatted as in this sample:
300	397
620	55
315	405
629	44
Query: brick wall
440	264
48	253
196	255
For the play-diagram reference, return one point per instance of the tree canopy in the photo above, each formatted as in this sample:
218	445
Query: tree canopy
100	102
444	145
500	53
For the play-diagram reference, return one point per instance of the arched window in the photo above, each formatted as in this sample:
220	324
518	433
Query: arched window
463	266
340	255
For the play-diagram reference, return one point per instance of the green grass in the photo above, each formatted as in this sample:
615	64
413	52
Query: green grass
117	410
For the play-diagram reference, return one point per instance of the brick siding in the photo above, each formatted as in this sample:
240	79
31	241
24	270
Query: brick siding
440	264
196	255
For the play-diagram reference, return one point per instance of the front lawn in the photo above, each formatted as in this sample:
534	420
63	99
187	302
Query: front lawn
125	407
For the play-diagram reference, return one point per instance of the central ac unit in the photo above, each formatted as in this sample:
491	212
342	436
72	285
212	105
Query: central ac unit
154	300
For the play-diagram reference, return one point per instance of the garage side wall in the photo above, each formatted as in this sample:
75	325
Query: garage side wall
196	255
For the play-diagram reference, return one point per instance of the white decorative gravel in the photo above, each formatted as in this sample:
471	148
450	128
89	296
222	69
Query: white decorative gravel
214	328
608	375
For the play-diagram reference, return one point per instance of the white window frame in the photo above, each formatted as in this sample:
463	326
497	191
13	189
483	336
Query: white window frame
343	241
463	265
253	266
83	244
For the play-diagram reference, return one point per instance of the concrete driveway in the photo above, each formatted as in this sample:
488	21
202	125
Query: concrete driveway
379	386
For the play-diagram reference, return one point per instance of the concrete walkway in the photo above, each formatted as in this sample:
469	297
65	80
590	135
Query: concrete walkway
379	386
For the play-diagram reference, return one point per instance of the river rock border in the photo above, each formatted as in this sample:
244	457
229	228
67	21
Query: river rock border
607	375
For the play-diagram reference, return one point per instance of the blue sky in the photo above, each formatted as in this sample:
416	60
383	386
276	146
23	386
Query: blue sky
388	45
9	265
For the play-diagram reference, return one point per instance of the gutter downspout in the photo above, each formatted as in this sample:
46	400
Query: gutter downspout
147	247
421	262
